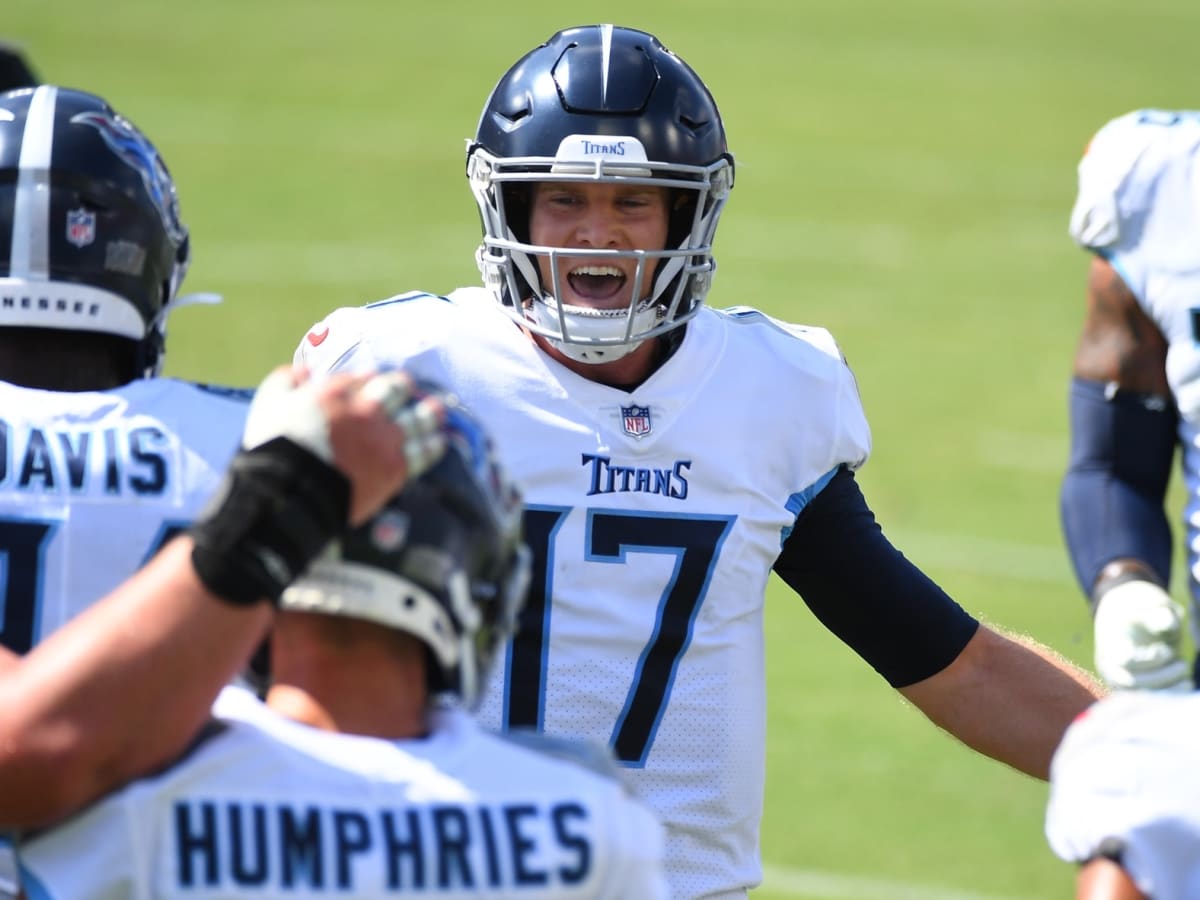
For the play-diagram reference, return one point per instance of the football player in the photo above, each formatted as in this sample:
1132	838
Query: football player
1135	396
672	455
102	460
363	774
1124	799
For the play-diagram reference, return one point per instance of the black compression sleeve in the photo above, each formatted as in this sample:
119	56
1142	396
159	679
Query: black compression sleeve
866	592
1111	500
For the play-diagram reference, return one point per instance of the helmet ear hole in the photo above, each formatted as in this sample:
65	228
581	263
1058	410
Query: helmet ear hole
518	204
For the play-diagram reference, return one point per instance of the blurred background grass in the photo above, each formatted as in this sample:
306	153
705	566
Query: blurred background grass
905	174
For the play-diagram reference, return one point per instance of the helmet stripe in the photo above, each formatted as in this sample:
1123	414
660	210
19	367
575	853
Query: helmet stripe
31	214
606	33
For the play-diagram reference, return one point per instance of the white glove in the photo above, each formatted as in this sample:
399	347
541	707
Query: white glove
1138	632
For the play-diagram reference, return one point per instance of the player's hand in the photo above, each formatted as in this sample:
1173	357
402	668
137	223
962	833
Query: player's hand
1138	636
317	455
378	430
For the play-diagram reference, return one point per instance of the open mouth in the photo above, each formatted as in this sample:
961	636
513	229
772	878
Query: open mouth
596	282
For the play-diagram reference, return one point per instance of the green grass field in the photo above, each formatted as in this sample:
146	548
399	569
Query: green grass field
905	175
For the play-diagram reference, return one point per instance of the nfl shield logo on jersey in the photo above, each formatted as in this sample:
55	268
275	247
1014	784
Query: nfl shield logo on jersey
635	420
81	227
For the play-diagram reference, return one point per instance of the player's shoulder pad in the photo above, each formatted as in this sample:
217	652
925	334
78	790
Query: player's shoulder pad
1110	163
589	755
813	335
346	328
1119	715
241	394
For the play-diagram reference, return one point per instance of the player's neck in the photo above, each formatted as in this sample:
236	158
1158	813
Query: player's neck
369	714
348	676
626	373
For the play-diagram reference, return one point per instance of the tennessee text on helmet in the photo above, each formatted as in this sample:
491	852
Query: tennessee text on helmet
604	104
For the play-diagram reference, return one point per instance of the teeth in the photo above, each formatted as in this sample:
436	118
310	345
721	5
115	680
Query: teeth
611	271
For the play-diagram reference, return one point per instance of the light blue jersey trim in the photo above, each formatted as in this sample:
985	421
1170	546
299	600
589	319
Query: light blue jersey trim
797	502
33	888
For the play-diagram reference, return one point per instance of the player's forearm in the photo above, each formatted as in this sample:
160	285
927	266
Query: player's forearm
1007	697
1122	447
118	691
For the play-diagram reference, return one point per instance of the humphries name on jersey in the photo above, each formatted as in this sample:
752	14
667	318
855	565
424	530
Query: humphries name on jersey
458	813
249	842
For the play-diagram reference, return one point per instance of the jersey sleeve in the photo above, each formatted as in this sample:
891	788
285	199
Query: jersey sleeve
1107	163
823	387
336	344
1134	201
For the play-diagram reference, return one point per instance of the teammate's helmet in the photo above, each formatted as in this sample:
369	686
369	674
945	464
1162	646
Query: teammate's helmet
443	561
15	71
90	234
600	104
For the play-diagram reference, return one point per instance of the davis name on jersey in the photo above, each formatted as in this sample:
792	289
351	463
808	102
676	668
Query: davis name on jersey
460	813
93	483
130	459
653	517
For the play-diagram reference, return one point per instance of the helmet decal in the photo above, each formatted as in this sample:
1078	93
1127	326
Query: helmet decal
94	222
131	146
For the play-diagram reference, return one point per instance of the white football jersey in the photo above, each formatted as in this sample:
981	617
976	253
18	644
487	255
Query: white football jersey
1138	206
265	807
654	517
93	483
1126	771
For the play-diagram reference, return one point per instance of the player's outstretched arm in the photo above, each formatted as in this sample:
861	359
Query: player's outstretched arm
1123	442
124	687
1007	697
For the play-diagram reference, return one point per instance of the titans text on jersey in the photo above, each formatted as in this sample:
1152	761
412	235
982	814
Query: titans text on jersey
608	477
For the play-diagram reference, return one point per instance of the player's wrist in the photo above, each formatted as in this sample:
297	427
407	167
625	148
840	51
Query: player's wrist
1117	574
277	508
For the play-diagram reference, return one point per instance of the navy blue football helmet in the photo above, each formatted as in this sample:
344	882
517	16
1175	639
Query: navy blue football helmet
600	103
443	561
90	233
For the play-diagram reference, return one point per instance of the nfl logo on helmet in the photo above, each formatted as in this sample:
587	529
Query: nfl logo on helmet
81	227
635	420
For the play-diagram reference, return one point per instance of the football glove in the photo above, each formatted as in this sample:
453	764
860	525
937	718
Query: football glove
1138	632
283	499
